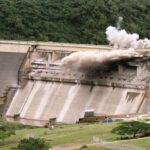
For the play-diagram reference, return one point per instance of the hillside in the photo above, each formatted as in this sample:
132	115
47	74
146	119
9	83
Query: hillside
75	21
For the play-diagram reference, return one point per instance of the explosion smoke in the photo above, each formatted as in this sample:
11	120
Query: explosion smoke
86	60
120	39
120	19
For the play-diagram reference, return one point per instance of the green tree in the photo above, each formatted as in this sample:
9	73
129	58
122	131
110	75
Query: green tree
33	144
76	21
8	128
5	132
132	128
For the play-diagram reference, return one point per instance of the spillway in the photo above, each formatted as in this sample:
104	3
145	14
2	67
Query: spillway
39	101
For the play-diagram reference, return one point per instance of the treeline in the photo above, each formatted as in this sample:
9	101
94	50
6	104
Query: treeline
74	21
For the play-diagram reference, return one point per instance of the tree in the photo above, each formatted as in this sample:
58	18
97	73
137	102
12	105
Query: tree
77	21
33	144
5	132
132	128
8	128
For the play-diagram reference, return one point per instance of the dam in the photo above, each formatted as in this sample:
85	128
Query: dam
40	89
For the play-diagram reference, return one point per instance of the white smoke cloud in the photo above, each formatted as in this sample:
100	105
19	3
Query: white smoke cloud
86	60
120	19
121	39
124	45
143	43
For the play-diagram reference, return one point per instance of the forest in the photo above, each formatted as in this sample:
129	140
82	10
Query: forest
73	21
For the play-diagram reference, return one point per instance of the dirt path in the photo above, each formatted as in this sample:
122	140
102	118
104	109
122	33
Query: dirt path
109	145
67	147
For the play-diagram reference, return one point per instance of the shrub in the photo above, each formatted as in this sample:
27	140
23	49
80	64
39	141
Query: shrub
33	144
84	147
5	132
14	125
132	128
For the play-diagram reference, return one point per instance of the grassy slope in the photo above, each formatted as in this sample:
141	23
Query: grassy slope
73	134
143	143
65	134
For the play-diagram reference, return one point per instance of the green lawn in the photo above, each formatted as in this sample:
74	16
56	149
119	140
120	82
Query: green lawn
64	134
73	134
142	142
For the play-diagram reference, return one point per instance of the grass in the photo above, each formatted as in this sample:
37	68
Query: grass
64	134
73	134
141	143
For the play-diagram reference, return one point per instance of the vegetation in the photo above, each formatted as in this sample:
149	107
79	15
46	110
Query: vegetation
7	129
132	128
13	125
82	134
33	143
64	134
76	21
5	132
140	143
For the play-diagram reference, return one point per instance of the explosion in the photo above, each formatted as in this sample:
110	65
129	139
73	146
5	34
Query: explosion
124	45
121	39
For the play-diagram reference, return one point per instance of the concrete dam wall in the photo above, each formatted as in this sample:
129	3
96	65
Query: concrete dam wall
46	90
38	101
9	67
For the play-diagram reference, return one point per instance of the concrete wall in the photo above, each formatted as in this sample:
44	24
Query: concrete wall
38	100
22	46
67	102
9	66
14	47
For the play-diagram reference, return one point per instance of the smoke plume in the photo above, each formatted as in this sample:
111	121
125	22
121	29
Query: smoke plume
120	19
124	48
87	60
121	39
